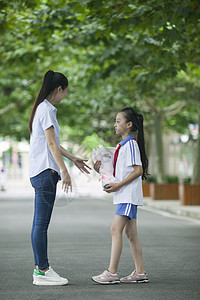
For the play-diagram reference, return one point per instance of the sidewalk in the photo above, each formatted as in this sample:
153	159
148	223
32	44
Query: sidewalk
170	206
90	187
174	207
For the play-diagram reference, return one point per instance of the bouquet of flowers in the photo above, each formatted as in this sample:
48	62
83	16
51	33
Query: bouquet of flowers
106	156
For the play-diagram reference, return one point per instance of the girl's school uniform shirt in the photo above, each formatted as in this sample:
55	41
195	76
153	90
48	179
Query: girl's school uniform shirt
129	155
40	157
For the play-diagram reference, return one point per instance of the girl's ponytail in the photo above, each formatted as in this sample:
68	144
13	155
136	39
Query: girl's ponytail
137	121
51	81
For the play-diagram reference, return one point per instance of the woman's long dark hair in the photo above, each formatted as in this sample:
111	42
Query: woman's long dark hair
51	81
137	121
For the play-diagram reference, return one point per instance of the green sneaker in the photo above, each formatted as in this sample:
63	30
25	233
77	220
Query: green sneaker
48	278
37	272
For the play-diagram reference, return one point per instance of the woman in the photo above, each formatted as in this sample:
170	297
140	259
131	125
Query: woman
46	167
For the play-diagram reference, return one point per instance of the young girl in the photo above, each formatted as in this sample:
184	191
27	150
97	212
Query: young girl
46	167
130	166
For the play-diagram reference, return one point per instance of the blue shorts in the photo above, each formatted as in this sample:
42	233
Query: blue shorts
127	209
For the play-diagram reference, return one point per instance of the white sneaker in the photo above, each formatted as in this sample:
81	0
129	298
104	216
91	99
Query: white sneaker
48	278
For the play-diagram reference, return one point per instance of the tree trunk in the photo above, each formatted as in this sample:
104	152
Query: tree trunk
196	168
159	148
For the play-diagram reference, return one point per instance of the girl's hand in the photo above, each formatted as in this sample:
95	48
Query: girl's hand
66	181
112	187
80	163
97	165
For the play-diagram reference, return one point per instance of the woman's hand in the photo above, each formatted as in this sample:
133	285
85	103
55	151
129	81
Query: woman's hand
112	187
97	165
66	181
80	163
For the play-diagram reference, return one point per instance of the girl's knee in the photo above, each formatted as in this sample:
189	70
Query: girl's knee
127	233
114	230
130	234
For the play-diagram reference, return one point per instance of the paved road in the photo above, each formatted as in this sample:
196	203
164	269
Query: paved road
79	242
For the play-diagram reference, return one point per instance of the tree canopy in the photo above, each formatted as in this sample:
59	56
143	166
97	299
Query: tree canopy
143	54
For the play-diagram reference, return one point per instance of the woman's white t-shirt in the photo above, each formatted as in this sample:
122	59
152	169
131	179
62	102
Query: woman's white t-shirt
129	155
40	157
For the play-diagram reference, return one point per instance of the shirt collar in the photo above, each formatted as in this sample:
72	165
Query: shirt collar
128	138
53	107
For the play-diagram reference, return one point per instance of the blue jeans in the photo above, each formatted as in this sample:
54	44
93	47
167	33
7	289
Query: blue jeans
45	192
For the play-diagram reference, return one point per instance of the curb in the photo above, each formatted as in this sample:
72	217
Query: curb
174	207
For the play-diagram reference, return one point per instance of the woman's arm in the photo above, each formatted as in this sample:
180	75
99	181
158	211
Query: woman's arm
55	151
66	154
113	187
79	162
